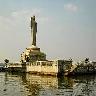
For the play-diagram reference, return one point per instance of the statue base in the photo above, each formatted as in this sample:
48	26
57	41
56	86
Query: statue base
32	54
33	48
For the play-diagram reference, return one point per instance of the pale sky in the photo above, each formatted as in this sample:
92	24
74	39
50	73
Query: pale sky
66	28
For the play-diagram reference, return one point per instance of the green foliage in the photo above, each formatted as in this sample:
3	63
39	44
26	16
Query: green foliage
6	61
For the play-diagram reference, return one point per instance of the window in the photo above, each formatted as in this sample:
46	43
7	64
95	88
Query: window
38	63
43	63
49	64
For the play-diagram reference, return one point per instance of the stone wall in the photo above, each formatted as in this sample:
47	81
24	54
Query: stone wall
42	67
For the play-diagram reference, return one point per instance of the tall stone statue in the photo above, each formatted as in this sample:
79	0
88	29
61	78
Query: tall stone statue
33	30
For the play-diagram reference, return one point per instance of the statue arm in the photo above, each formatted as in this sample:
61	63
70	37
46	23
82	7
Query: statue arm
31	22
36	27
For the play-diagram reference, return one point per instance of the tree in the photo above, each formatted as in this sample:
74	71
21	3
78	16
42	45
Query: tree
6	61
86	60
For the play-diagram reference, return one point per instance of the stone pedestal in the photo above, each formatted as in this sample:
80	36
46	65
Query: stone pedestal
32	54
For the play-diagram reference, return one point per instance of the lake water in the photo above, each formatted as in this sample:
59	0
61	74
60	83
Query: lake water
17	84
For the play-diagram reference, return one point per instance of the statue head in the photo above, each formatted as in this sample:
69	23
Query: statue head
33	17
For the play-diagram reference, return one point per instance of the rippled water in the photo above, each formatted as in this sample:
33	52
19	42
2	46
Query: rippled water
16	84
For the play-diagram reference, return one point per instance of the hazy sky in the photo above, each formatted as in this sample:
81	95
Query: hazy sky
66	28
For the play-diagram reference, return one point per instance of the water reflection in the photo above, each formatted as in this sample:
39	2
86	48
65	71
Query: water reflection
86	85
18	84
47	85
